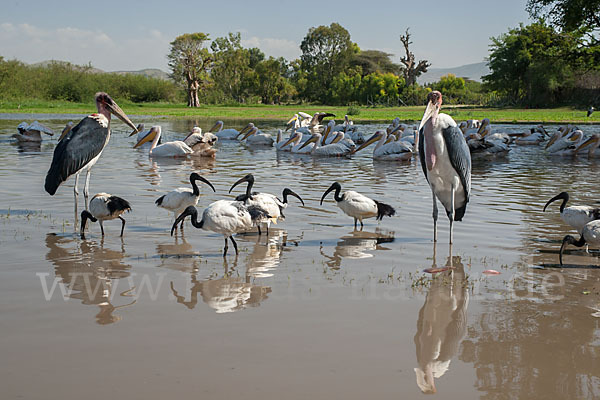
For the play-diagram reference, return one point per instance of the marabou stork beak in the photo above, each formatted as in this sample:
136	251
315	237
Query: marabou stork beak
138	129
430	112
116	110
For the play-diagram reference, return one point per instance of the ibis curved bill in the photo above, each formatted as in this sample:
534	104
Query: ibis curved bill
104	207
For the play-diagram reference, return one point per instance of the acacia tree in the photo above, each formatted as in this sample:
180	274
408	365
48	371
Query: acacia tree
412	69
190	61
326	51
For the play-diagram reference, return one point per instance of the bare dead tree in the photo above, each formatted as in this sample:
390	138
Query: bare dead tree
412	69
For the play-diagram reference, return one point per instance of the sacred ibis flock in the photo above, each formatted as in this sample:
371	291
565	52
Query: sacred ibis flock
443	147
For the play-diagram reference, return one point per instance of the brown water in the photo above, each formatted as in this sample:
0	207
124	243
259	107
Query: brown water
318	310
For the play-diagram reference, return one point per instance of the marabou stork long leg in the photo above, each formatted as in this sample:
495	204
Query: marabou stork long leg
86	188
434	215
122	225
451	216
76	196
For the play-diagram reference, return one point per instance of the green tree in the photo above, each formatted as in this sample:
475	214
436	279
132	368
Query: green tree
190	62
533	64
371	61
569	15
231	72
326	51
272	86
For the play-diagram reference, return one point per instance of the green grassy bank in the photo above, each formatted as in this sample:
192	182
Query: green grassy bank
284	112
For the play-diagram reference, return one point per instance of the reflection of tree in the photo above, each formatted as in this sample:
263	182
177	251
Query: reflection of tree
90	272
442	325
538	349
356	244
226	294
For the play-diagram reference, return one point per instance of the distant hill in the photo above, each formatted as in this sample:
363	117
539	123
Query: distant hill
149	72
471	71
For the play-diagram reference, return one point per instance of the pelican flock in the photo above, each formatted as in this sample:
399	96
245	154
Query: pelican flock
444	149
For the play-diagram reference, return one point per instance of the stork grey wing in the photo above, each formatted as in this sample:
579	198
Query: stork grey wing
422	153
460	156
81	145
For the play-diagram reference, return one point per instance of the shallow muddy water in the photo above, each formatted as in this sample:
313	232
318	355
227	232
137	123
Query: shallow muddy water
317	310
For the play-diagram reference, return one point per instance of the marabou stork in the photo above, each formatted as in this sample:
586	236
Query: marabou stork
225	217
181	198
266	201
358	206
82	146
446	162
104	207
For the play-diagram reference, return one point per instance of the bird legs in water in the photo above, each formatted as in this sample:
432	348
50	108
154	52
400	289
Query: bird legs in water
434	215
227	246
76	195
86	188
451	215
260	231
122	225
361	224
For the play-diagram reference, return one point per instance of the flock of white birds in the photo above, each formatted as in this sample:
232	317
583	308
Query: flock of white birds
312	136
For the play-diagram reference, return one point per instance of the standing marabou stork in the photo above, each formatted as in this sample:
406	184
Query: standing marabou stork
82	146
266	201
225	217
359	206
575	216
181	198
589	235
104	207
446	162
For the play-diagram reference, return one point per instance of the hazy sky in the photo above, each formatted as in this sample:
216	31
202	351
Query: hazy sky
128	35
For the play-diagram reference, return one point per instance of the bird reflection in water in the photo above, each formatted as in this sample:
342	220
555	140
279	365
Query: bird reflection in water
442	323
91	273
356	244
224	295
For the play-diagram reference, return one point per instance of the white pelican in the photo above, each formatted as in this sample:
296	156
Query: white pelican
82	146
388	150
255	139
446	162
104	207
31	133
225	217
266	201
282	144
358	206
575	216
227	134
589	235
176	148
565	144
201	144
181	198
594	143
330	150
297	147
535	136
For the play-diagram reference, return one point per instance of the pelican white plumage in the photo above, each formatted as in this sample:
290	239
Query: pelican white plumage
446	162
82	146
104	207
594	143
535	136
388	150
330	150
181	198
176	148
201	144
255	139
575	216
565	144
31	132
590	235
266	201
295	144
358	206
227	134
225	217
282	144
